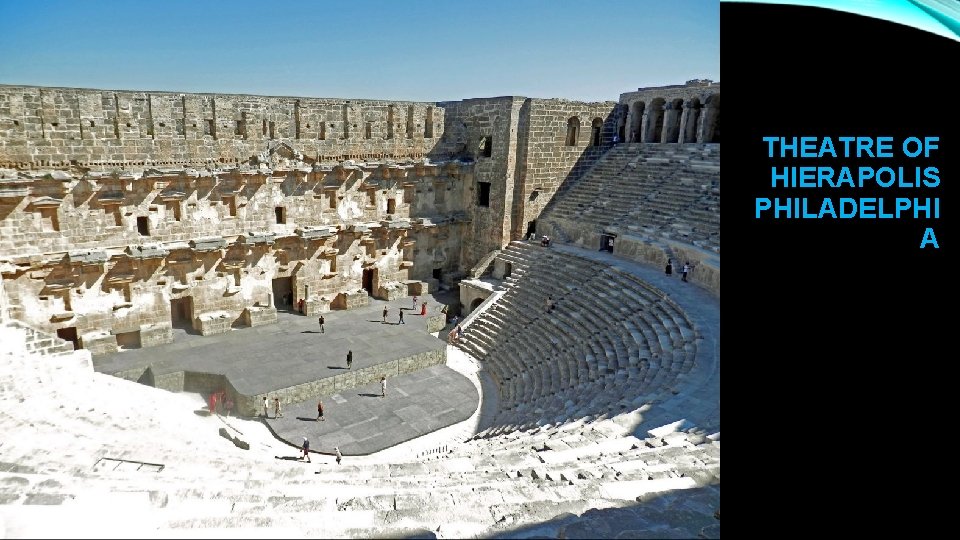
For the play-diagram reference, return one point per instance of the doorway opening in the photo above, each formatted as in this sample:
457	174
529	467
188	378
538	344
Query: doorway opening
283	293
69	334
370	280
606	242
181	312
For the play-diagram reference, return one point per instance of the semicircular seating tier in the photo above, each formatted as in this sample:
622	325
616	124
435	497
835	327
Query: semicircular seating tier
660	190
609	344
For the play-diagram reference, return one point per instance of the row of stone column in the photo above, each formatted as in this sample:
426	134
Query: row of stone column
666	123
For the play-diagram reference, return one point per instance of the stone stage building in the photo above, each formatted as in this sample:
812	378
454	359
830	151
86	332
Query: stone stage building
125	214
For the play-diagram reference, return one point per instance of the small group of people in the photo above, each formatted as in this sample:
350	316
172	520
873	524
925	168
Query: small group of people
423	311
544	240
219	402
277	413
684	271
305	448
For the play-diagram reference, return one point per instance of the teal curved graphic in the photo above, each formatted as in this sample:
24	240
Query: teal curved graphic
941	17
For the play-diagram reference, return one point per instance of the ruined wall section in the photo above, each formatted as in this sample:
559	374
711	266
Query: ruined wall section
208	248
487	129
104	129
548	161
441	197
57	212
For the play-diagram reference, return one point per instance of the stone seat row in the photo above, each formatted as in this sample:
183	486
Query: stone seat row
589	345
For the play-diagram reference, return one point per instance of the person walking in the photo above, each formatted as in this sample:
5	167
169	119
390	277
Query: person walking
276	408
401	318
686	270
321	320
306	449
414	302
339	455
265	407
423	308
349	359
384	313
669	270
320	411
383	386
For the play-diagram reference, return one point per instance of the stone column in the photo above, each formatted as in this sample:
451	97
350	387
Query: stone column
650	115
671	121
707	124
688	123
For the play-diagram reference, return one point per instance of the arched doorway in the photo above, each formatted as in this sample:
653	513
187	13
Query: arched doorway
596	129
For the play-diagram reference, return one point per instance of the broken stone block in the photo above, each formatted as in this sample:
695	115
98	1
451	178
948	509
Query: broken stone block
208	244
88	257
146	251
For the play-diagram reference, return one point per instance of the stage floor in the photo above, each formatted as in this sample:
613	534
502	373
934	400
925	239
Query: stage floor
292	352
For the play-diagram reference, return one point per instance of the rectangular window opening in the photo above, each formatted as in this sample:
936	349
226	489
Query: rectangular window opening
143	225
483	196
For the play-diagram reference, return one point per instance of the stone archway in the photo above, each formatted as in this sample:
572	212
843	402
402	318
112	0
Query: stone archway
709	128
671	121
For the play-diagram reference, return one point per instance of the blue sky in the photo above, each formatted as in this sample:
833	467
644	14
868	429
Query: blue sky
403	50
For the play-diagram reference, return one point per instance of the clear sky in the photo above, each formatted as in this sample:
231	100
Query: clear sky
388	49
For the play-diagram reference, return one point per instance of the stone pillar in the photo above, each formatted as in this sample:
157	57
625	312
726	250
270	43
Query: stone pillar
648	130
707	123
688	123
671	124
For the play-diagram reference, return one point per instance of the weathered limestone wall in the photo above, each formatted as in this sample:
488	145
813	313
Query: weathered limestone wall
250	405
706	266
107	128
548	161
109	256
487	129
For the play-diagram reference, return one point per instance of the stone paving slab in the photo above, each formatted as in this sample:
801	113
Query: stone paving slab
293	351
361	422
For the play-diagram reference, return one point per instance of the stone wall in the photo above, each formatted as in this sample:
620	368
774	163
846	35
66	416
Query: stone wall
549	162
487	129
109	128
108	255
